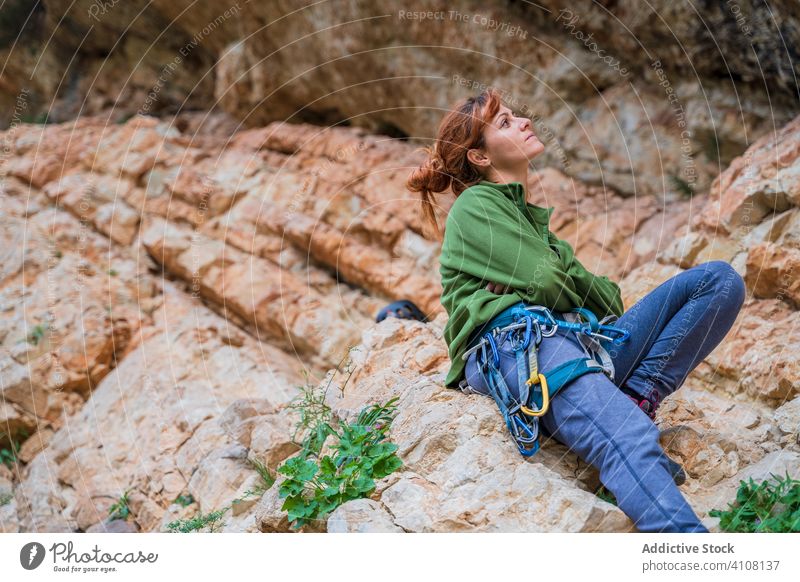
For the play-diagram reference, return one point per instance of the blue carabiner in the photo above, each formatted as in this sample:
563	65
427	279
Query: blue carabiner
622	334
526	337
495	352
590	317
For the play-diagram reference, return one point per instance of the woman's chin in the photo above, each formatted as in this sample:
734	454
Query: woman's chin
535	149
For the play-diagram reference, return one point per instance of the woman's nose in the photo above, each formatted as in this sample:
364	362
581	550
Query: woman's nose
526	124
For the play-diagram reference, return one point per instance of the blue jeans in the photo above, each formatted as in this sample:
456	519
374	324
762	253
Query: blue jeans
673	328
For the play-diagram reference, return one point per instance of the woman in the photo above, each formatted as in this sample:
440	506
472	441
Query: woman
497	251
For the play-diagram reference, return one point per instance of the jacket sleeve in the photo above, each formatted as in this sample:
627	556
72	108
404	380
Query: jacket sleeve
600	295
487	238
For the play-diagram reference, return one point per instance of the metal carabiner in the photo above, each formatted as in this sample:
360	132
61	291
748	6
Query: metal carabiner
540	379
495	352
623	336
600	335
526	335
546	311
527	341
538	327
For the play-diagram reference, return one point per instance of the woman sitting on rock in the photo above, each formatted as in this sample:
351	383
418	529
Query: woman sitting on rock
498	253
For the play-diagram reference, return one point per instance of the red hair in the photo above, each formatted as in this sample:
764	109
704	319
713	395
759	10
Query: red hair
447	165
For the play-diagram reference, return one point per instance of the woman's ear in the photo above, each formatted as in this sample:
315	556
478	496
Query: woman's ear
477	158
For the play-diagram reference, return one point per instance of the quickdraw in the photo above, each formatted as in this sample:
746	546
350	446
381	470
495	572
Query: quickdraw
526	325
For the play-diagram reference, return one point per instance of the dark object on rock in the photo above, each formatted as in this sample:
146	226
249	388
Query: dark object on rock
404	309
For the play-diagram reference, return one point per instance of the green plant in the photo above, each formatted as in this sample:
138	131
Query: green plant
113	272
316	486
40	118
314	413
606	495
267	478
267	481
210	520
37	334
9	456
184	500
120	509
5	498
770	506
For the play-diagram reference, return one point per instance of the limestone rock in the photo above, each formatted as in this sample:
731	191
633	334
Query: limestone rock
168	411
361	516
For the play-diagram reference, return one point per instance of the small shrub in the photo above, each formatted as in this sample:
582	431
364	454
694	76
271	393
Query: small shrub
6	498
315	415
120	509
267	478
37	334
711	148
9	456
210	520
184	500
606	495
314	486
770	506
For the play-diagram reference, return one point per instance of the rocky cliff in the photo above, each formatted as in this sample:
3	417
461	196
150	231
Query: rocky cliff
166	292
649	98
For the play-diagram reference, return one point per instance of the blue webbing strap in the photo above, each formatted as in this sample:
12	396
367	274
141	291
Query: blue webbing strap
524	432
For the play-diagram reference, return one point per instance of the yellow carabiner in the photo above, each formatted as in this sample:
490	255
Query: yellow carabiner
545	396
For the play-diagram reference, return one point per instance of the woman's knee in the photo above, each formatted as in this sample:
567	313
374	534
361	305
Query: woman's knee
728	283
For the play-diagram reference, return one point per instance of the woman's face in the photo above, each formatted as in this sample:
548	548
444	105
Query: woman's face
510	140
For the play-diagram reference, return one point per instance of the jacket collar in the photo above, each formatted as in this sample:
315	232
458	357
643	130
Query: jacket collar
516	192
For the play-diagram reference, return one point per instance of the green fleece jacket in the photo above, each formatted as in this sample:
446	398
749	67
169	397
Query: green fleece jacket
493	235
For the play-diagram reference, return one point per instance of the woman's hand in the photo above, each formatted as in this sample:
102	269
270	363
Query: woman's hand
498	288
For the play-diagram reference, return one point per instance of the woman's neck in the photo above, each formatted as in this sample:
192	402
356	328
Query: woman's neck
506	176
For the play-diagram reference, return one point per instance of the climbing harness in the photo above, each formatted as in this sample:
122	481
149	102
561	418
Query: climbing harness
525	326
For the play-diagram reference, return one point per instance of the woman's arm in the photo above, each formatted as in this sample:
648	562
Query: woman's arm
601	295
